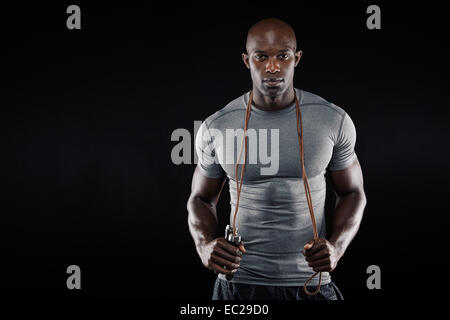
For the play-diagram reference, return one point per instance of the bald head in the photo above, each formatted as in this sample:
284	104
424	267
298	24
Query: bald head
271	57
268	32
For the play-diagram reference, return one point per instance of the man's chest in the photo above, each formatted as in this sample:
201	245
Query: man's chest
273	149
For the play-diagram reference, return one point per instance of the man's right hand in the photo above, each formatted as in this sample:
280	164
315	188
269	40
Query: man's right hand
219	253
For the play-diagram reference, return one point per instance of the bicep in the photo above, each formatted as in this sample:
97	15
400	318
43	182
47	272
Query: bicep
348	180
205	188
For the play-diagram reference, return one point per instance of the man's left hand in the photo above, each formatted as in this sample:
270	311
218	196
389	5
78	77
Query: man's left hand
321	255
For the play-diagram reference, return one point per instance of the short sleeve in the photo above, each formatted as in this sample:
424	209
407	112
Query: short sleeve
344	147
207	157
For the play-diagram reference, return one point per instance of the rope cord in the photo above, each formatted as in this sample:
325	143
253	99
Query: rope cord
307	191
304	178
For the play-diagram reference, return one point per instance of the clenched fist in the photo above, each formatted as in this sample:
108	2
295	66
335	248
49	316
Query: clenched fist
321	255
218	253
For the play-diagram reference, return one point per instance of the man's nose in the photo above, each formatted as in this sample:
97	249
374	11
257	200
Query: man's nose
272	65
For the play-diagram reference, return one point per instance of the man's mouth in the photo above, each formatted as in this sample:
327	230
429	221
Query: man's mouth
273	82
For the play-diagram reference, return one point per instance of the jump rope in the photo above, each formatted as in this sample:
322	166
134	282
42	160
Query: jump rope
231	233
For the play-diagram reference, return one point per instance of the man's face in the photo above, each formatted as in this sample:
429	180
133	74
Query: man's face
272	59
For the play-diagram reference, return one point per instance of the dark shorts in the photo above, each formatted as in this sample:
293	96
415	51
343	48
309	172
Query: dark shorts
226	290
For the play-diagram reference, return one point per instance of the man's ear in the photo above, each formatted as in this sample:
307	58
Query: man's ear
245	59
298	56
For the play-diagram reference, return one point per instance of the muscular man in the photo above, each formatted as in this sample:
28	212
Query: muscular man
279	253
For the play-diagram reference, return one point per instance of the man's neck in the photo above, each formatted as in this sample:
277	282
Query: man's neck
268	103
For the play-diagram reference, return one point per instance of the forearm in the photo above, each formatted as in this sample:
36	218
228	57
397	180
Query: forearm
346	220
202	220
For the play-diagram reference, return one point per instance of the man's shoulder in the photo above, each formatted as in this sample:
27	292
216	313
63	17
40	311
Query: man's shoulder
229	111
321	104
234	108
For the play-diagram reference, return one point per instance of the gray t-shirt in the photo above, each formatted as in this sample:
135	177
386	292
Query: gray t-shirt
273	216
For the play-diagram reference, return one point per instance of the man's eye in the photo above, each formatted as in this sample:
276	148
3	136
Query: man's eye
259	56
284	56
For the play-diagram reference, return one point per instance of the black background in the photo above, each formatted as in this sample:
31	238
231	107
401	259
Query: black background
87	117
